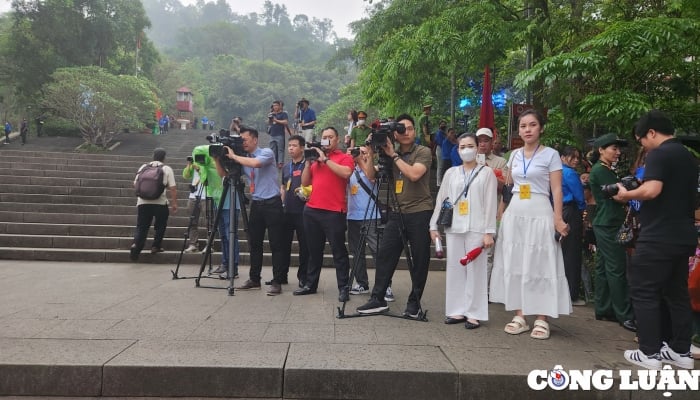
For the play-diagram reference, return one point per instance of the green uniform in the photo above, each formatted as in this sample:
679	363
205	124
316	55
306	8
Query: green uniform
359	134
611	297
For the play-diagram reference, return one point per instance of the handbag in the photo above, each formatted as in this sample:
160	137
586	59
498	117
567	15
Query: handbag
628	232
507	189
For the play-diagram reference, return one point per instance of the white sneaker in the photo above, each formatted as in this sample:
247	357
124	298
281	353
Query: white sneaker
389	296
191	249
636	357
357	289
669	356
578	303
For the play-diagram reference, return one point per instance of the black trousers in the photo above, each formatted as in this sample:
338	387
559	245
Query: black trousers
294	222
391	246
572	248
659	273
145	215
320	225
266	215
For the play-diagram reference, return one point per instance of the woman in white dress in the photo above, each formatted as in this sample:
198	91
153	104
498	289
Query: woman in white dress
528	269
473	225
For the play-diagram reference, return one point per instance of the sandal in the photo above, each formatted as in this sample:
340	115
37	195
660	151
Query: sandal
517	326
541	330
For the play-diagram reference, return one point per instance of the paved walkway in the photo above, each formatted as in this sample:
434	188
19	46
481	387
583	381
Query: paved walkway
121	330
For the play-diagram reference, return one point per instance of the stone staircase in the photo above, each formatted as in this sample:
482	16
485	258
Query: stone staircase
60	205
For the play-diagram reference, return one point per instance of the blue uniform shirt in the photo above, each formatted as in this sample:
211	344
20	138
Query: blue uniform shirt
571	187
263	180
358	198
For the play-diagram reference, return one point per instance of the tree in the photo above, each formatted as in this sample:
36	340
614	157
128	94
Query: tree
98	103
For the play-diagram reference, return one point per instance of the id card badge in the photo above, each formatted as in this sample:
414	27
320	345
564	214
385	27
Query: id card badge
524	191
463	207
399	186
289	184
353	190
481	159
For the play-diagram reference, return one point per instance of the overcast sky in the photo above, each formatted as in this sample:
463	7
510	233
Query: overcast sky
341	12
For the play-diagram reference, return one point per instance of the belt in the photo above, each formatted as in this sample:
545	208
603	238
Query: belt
304	128
267	202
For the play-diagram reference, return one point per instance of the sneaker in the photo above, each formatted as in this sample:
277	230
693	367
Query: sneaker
191	249
636	357
220	270
274	289
389	295
133	254
669	356
357	289
578	303
226	277
373	306
249	285
155	250
412	311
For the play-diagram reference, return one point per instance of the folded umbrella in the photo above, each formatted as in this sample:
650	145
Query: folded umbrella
471	256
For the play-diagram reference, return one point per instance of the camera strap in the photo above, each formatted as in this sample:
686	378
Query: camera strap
365	187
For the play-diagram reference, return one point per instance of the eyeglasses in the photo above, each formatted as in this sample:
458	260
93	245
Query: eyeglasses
410	128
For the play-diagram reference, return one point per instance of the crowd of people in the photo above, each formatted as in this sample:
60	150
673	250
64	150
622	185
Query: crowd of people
533	213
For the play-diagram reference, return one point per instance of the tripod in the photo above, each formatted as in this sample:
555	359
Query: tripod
233	189
194	216
387	178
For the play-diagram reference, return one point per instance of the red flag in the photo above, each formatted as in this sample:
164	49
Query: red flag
471	256
486	117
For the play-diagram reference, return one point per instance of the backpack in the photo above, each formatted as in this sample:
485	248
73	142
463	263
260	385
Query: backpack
149	182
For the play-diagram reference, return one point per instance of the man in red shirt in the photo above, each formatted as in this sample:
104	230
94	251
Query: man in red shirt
325	212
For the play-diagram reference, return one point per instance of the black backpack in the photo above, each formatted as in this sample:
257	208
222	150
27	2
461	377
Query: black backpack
149	182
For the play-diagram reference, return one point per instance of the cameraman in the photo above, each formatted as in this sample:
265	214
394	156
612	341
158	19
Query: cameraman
411	166
236	125
307	119
325	212
265	210
277	120
658	274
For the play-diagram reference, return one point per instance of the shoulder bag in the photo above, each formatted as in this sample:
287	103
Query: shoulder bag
447	209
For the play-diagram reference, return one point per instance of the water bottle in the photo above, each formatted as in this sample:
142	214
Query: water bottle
439	252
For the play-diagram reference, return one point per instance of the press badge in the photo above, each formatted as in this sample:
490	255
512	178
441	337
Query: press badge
463	207
289	184
524	191
353	190
399	186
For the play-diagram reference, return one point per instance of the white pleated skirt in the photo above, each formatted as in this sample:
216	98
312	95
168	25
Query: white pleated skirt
466	290
528	267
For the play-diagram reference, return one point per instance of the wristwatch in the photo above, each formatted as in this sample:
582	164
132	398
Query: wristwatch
395	157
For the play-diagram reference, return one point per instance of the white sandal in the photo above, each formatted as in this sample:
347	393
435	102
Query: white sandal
517	326
541	330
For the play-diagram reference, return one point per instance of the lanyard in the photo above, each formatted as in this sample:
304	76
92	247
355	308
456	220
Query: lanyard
471	177
526	165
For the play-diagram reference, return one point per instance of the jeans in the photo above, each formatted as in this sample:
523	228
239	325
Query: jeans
145	215
277	147
390	249
357	249
659	273
320	225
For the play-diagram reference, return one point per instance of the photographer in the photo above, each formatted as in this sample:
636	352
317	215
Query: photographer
277	120
611	298
306	118
265	210
658	274
294	202
411	174
325	212
236	125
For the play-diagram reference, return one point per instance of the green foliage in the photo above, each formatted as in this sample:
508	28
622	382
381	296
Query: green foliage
57	126
98	103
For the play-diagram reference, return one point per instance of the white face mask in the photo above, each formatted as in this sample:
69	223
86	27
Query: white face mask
467	154
360	122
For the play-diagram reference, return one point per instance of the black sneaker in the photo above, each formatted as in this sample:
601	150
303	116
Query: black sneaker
133	254
373	306
412	311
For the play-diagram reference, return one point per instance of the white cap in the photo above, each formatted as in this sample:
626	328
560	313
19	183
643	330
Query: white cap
485	132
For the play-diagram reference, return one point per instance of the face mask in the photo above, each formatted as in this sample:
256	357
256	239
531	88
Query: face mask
360	122
467	154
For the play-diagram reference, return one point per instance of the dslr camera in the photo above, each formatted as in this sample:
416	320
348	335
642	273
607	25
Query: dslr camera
311	154
628	182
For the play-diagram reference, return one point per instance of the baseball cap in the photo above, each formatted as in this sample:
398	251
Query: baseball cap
485	132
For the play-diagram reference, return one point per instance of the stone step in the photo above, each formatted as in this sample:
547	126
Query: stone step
127	176
81	219
80	208
25	198
41	181
130	167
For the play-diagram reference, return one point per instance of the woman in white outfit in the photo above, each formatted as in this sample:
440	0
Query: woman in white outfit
473	225
528	269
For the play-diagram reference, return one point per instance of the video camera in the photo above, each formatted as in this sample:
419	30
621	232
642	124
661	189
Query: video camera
311	154
382	131
628	182
224	138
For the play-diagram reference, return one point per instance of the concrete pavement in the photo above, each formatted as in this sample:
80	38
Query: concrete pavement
129	330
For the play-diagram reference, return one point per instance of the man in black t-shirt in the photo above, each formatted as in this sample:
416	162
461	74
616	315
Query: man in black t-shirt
658	272
294	206
278	120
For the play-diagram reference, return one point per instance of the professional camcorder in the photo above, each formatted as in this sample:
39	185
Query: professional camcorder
224	138
311	154
628	182
382	131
